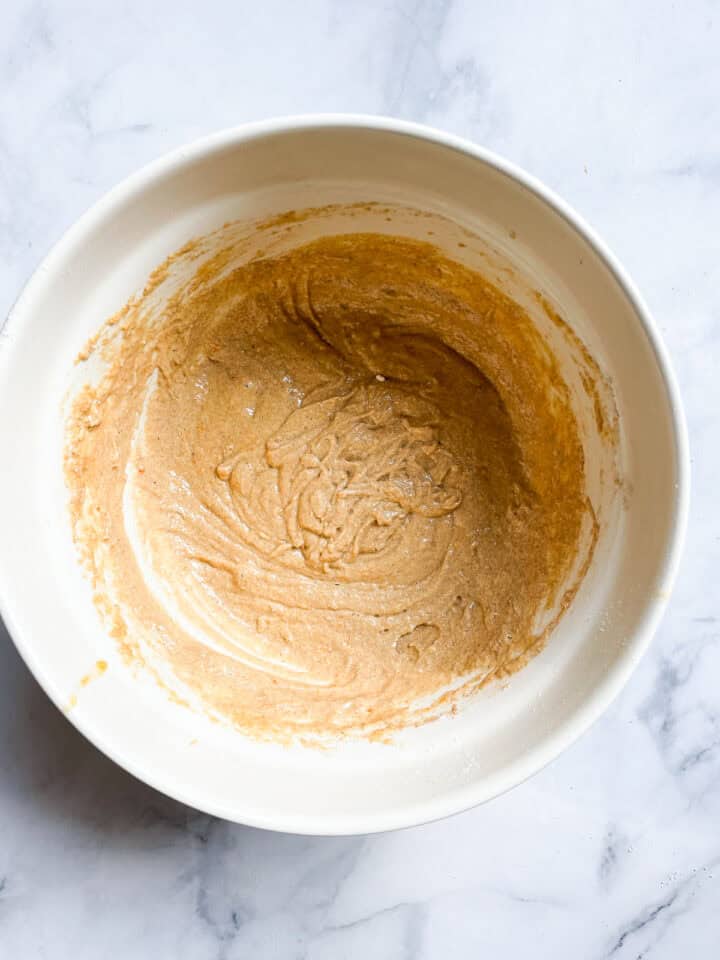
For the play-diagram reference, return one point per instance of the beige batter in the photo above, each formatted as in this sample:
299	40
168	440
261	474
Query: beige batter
326	485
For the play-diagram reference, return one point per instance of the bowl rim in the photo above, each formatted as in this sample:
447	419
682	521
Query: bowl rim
604	693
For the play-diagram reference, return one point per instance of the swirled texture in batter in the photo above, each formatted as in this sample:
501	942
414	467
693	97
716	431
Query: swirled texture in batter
327	485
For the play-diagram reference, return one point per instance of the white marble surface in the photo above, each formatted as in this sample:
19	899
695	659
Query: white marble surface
614	850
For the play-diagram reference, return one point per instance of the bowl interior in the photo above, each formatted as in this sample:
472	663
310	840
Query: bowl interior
503	734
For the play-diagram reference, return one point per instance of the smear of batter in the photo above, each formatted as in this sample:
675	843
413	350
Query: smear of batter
326	486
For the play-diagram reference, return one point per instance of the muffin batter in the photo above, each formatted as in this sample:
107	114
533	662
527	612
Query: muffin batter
325	487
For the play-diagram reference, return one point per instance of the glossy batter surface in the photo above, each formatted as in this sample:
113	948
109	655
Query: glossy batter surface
324	486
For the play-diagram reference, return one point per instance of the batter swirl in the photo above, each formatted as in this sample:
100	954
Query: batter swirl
324	486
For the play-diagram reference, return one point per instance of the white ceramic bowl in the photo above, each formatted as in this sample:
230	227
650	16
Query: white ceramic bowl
504	734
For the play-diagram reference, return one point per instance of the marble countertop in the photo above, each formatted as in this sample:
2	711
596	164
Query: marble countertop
612	851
